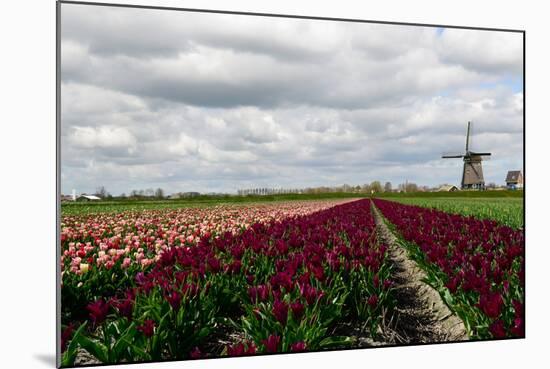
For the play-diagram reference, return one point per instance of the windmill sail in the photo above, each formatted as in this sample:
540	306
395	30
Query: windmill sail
468	137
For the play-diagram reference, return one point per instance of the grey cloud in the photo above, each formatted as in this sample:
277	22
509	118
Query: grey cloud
489	52
153	33
211	103
187	143
242	60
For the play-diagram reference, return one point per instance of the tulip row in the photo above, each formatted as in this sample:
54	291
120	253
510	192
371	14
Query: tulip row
506	210
477	265
102	239
116	246
278	285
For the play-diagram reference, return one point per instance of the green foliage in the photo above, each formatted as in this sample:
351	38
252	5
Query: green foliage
258	322
455	194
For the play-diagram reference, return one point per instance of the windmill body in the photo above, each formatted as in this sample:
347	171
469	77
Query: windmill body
472	172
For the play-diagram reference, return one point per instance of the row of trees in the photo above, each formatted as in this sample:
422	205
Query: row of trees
149	192
373	187
134	194
268	191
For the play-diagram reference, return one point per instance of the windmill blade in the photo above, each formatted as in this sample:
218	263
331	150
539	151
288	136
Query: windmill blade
451	155
468	137
481	156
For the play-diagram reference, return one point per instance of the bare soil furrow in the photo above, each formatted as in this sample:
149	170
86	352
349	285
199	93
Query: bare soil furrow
420	316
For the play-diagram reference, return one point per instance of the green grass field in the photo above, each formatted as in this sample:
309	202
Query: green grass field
506	210
457	194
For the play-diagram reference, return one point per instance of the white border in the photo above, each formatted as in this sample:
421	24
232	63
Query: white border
27	328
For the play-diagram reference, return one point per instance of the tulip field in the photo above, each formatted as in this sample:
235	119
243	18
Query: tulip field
508	211
195	282
477	265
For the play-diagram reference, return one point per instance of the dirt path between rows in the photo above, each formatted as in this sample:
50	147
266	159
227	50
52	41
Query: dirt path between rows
420	316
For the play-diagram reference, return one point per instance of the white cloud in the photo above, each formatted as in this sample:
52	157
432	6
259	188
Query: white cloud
103	137
185	145
484	51
215	102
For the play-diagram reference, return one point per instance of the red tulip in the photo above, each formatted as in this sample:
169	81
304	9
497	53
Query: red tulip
280	311
195	353
98	311
372	301
174	299
125	307
66	336
272	343
297	310
491	304
298	346
497	329
147	328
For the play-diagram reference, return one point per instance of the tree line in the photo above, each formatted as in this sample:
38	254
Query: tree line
367	188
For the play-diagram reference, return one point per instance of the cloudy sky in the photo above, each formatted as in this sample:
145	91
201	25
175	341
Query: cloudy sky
217	102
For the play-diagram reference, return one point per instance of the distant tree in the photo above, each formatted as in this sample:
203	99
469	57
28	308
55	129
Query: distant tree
387	187
376	186
159	193
492	185
411	187
365	188
122	195
101	192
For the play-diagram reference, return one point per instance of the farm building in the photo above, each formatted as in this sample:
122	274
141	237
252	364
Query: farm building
447	188
88	198
183	195
190	194
514	180
65	198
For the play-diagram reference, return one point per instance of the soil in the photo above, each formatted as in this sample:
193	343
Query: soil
420	316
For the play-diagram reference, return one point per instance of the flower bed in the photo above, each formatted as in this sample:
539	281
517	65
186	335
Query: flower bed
476	265
280	283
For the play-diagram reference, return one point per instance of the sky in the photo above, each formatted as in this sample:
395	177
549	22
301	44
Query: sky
204	102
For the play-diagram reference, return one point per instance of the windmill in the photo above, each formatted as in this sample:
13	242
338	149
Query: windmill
472	173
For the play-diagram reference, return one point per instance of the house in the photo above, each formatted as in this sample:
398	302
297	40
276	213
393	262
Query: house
447	188
183	195
88	198
65	198
514	180
190	194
